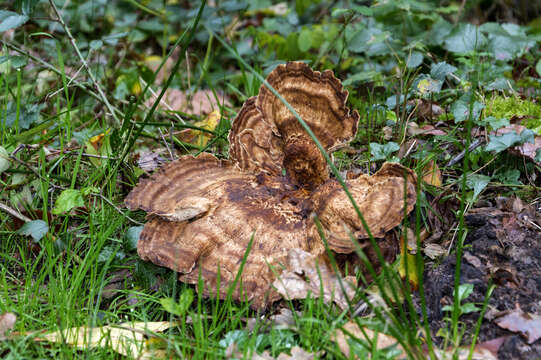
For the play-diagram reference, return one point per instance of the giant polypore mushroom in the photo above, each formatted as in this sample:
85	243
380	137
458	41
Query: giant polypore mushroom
204	211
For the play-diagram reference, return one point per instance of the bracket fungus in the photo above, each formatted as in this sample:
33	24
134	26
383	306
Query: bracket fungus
204	212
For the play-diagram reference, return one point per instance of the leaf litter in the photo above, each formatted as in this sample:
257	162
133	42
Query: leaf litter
128	339
503	246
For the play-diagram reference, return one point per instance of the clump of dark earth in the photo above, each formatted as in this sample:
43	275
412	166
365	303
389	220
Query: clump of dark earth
503	246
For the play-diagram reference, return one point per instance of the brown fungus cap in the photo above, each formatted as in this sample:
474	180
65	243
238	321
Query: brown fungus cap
203	211
279	141
380	199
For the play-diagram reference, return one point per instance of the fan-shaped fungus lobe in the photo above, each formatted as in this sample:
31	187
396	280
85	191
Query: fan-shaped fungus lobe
204	211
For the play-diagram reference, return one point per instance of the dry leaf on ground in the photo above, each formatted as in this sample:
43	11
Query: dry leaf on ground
151	160
297	353
202	102
154	61
284	319
7	322
528	325
127	339
432	174
487	350
342	339
199	137
307	275
414	129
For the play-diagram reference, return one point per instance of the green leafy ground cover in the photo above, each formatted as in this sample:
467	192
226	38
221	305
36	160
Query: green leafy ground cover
78	111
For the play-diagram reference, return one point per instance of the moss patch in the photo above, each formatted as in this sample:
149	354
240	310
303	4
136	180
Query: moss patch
501	107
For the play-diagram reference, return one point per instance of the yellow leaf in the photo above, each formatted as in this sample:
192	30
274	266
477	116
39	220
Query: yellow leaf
98	145
127	339
198	137
407	256
432	174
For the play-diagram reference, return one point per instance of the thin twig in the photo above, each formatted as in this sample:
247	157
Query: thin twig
85	64
166	144
14	213
116	208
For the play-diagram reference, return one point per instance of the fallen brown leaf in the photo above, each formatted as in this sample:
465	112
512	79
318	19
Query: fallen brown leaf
528	325
432	174
151	160
127	339
7	322
202	102
433	250
198	137
297	353
308	275
414	130
382	341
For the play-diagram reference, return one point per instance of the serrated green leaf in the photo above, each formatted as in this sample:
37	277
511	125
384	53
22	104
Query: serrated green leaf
440	70
465	38
383	152
461	109
414	59
477	183
132	237
10	20
495	123
68	199
499	143
35	228
468	308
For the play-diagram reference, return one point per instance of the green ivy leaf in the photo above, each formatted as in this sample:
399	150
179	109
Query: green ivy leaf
414	59
499	143
461	109
495	123
477	183
68	199
35	228
10	20
382	152
440	70
132	237
465	38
